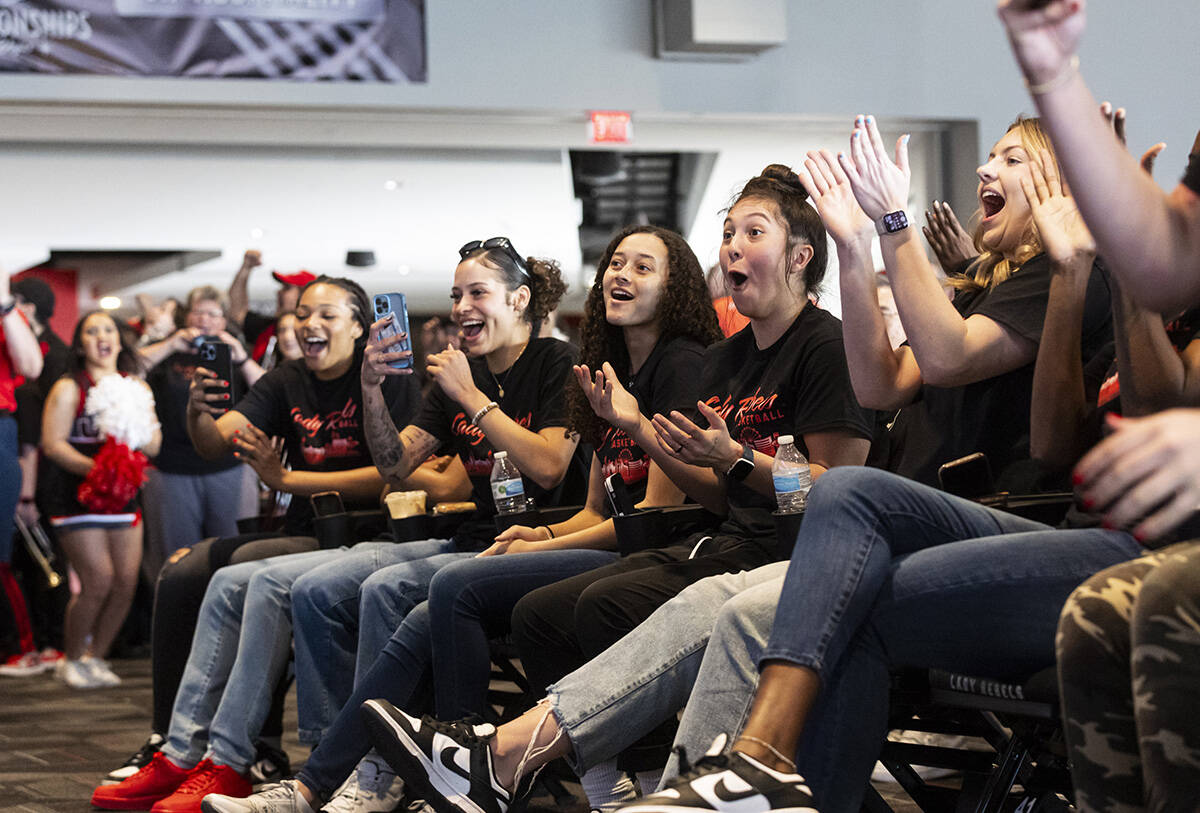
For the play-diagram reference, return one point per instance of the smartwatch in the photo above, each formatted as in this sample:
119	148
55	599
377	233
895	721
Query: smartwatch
892	222
742	467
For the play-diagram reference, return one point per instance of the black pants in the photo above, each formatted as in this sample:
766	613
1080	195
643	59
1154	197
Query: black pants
561	627
177	598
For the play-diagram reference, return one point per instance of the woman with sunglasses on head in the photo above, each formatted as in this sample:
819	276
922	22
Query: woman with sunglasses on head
505	392
647	316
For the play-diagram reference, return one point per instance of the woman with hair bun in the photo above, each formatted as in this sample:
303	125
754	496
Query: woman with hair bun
784	374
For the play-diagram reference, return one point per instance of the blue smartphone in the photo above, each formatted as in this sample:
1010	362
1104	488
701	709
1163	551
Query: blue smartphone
394	304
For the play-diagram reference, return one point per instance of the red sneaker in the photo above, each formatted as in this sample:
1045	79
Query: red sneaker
204	779
23	665
157	780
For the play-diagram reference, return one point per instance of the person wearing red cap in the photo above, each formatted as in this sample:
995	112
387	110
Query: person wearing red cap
259	328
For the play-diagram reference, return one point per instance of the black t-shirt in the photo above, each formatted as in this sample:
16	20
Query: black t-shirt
534	397
169	381
321	422
667	380
31	396
799	384
992	416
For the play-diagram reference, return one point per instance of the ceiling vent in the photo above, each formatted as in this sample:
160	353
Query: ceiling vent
717	30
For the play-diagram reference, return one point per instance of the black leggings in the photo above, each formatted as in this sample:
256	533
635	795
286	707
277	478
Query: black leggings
177	599
562	626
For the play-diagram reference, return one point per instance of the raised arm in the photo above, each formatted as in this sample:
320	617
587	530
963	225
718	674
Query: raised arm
239	295
23	347
1059	413
883	378
950	351
1153	245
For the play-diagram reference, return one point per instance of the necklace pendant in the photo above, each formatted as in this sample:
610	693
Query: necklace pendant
501	391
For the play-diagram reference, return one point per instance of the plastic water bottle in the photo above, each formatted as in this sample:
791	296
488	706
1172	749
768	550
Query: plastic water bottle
792	477
507	489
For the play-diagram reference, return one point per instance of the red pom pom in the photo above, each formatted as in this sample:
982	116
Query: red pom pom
114	480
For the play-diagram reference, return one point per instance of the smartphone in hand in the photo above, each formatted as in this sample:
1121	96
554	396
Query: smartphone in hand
217	356
395	305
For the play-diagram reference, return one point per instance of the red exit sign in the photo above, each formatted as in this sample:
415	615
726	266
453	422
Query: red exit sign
610	127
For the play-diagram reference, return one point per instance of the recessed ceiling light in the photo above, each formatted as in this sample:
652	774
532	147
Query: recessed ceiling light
256	234
403	270
391	185
110	303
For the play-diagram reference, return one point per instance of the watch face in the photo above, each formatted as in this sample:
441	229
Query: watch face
895	221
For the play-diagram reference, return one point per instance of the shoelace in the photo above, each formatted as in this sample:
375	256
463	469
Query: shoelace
705	765
461	731
201	777
145	753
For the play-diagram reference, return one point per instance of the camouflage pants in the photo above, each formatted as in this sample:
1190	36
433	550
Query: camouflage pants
1129	672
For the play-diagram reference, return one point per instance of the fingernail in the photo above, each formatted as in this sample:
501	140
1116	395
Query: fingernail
1140	535
906	138
1089	503
225	396
1076	478
1107	523
870	119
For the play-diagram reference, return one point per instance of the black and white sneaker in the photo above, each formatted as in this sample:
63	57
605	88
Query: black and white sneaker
271	765
140	759
447	764
731	783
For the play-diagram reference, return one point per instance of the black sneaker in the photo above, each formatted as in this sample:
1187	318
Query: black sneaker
731	783
140	759
448	764
271	765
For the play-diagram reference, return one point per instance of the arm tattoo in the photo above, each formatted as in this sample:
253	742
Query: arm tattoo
387	448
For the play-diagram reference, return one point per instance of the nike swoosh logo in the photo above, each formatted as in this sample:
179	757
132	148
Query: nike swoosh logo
725	794
447	758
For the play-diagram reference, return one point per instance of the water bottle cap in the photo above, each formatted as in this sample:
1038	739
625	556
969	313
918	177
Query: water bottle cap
784	440
500	455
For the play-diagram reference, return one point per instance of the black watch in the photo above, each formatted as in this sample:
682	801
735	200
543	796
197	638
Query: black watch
742	467
892	222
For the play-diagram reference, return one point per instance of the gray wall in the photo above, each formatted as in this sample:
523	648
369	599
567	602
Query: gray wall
934	59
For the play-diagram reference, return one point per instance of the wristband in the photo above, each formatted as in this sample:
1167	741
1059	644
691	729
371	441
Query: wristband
1063	76
549	530
7	308
1191	178
27	499
483	410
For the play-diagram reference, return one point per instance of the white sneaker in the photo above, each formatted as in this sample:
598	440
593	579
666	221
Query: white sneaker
101	671
76	674
283	797
372	787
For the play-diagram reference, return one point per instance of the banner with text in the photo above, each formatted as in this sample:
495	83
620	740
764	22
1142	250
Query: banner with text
345	40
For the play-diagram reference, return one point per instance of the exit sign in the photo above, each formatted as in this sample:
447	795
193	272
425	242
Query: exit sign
610	127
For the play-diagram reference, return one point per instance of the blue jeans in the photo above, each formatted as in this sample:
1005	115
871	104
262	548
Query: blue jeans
644	678
345	612
470	601
887	572
233	667
10	484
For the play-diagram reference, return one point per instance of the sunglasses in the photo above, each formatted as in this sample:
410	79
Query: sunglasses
496	242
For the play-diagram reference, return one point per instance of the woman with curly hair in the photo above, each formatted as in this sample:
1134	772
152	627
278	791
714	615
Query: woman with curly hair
646	316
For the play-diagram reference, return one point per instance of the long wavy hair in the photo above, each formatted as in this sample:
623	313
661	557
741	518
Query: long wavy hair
991	268
684	309
128	360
